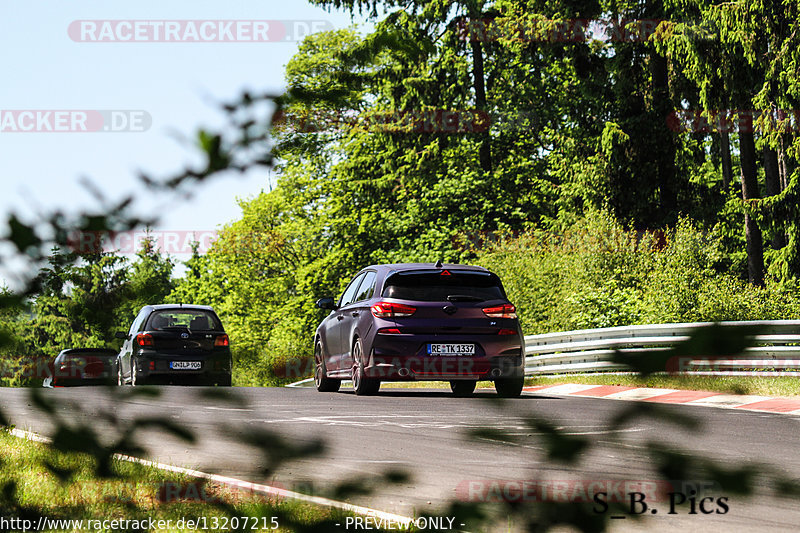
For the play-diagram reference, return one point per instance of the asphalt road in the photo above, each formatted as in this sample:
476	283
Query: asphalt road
424	433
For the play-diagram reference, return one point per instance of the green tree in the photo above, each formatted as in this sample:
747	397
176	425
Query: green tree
149	281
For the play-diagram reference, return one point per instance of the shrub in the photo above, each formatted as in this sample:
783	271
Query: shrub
597	274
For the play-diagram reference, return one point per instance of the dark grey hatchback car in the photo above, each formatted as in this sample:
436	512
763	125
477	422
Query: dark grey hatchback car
175	343
420	322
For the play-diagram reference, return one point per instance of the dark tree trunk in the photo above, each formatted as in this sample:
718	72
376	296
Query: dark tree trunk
725	152
665	158
786	163
485	150
771	172
755	244
773	183
786	166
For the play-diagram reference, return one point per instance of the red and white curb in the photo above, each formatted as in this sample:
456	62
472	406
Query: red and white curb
767	404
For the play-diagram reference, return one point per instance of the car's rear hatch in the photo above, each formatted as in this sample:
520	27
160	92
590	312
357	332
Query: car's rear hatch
449	302
182	341
184	331
92	363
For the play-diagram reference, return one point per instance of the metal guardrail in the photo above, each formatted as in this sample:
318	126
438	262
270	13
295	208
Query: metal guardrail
774	352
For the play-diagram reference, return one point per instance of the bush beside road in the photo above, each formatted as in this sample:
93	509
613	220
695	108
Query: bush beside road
42	482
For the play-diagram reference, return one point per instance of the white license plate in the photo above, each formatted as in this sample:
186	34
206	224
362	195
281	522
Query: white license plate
184	365
451	349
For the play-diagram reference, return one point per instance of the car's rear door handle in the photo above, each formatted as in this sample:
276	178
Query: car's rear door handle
339	317
355	313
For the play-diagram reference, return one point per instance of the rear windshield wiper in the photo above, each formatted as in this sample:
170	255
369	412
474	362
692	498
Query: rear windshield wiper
465	298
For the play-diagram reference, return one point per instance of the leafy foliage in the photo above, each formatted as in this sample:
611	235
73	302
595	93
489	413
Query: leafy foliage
576	190
83	301
600	275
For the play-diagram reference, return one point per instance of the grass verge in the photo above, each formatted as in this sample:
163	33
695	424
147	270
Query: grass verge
36	480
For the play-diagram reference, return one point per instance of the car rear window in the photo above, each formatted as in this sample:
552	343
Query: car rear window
444	285
193	319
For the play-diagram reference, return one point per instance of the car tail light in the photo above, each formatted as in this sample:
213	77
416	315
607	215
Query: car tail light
501	311
389	331
506	332
221	340
152	365
144	339
392	310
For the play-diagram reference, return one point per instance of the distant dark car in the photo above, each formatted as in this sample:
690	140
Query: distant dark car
420	322
175	344
83	366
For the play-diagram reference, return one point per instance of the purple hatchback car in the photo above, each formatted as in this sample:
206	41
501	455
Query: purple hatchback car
420	322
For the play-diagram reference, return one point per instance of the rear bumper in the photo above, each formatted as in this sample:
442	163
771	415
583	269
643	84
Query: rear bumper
156	367
405	357
81	382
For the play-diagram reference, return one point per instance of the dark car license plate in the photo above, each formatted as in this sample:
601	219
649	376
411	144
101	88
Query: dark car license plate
185	365
451	349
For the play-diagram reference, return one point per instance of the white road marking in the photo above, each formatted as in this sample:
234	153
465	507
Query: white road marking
436	422
728	399
303	383
641	393
568	388
402	421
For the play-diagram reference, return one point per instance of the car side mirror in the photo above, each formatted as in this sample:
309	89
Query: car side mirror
326	303
120	335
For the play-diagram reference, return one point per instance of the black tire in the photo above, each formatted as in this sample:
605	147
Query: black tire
362	385
225	381
509	387
462	388
321	380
